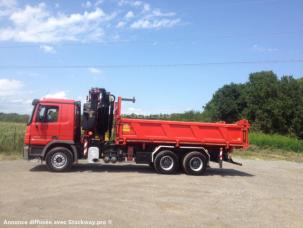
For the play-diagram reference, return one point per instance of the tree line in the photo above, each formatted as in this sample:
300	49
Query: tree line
271	104
13	117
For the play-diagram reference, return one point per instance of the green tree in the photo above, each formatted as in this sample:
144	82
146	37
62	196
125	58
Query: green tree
262	100
227	103
297	122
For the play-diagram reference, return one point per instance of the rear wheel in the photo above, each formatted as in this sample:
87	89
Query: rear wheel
59	159
166	162
194	163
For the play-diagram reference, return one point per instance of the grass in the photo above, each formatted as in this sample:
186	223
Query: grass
273	147
265	141
11	139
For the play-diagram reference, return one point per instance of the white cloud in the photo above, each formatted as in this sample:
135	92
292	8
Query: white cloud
9	87
60	94
11	105
48	49
87	4
129	14
154	23
7	7
159	13
259	48
150	18
13	97
133	110
98	2
4	4
28	101
146	7
141	4
120	24
94	71
37	24
125	2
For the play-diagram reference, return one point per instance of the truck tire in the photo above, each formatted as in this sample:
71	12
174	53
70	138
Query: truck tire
166	162
194	163
59	159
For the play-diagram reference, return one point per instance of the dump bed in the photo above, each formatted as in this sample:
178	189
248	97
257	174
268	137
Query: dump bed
182	133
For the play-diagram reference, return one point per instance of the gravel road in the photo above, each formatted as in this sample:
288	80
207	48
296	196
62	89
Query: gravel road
258	194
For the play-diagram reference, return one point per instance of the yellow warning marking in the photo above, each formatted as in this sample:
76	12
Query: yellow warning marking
126	128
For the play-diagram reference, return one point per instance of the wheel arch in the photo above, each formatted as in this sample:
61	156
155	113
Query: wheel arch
160	148
70	145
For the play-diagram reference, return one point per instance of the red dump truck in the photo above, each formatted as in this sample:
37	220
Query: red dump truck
60	135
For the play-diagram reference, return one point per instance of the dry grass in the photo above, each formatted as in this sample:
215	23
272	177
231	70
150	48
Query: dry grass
7	156
256	153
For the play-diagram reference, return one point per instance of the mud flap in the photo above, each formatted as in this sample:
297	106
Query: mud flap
233	162
230	160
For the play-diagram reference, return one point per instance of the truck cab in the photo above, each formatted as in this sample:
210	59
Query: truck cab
53	123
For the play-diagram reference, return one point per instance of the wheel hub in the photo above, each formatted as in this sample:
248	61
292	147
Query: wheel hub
166	163
196	164
59	160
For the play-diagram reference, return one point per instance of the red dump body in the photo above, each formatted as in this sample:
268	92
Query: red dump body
180	133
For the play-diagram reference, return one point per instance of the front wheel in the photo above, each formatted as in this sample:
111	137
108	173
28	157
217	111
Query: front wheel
166	162
194	163
59	159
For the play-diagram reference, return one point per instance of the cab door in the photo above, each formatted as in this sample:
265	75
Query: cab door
45	127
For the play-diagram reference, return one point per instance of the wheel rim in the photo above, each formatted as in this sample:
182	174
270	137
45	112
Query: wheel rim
195	164
59	160
166	163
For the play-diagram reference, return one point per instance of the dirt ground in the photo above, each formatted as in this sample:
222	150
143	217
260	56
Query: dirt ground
258	194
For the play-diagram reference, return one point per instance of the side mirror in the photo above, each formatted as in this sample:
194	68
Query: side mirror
35	101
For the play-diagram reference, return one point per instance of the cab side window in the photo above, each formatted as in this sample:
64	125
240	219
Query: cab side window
47	114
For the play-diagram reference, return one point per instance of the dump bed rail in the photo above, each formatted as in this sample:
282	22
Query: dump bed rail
181	133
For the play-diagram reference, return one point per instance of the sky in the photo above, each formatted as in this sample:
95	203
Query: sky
171	55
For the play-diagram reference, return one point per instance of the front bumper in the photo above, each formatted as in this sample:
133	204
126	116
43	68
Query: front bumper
32	152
